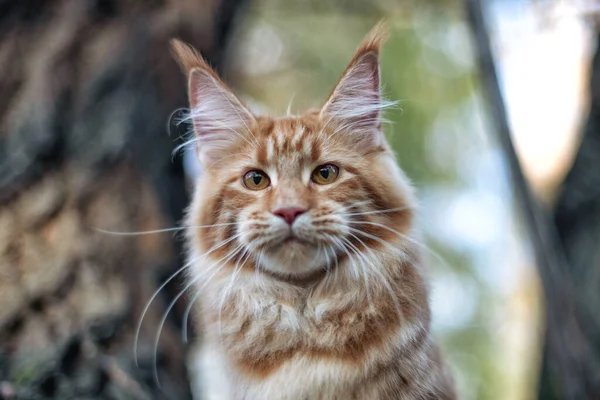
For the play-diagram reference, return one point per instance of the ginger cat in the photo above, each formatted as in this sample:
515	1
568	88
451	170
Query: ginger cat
302	253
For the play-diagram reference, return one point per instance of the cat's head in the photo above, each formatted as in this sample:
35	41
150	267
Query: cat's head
295	194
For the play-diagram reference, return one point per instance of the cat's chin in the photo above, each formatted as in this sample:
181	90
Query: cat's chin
293	257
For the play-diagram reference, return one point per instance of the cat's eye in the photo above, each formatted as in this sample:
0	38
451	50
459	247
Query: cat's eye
325	174
256	180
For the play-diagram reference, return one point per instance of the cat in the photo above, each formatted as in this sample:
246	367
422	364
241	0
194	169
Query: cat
302	247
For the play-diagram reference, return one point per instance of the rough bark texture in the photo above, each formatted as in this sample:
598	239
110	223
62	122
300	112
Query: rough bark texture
86	90
577	217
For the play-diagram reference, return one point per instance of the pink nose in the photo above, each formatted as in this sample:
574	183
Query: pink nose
289	214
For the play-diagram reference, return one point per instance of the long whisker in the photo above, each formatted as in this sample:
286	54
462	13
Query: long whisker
377	239
174	301
357	204
186	316
350	258
381	276
389	210
257	275
149	303
165	283
195	298
407	238
316	257
328	266
162	230
337	266
361	258
188	310
327	259
234	275
335	256
288	111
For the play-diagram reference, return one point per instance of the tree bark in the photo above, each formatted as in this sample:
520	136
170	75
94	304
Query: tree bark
86	91
570	357
577	218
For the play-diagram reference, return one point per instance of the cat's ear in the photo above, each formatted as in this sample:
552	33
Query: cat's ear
219	118
356	102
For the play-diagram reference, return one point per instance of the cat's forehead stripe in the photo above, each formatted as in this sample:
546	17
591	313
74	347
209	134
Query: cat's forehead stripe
270	149
307	148
287	138
283	134
298	135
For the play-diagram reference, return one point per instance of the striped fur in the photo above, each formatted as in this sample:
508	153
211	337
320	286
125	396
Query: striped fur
334	306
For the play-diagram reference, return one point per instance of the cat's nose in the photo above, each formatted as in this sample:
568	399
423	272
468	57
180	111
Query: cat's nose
289	214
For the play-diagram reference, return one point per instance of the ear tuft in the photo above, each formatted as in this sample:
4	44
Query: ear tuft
355	104
187	57
220	119
376	37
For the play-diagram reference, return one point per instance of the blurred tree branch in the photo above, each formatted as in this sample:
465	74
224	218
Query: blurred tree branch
569	351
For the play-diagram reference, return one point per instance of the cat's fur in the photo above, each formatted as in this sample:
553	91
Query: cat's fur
334	306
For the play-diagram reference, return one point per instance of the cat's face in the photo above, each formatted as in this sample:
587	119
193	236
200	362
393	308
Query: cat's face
296	194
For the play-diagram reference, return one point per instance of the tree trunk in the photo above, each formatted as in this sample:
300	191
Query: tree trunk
570	364
577	218
86	91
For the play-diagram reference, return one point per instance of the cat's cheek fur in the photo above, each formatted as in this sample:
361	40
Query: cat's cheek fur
386	166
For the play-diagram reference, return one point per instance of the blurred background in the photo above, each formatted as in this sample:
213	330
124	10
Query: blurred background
87	94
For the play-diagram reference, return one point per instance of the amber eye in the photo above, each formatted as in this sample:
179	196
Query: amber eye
325	174
256	180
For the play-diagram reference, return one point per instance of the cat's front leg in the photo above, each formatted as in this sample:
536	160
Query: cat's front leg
212	374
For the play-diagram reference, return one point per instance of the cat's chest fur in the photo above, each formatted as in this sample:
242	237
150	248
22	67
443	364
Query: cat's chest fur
311	343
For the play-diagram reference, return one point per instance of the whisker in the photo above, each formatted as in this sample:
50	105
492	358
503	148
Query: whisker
350	258
288	111
327	259
357	204
389	210
188	310
172	304
377	239
407	238
161	230
149	303
332	267
235	252
335	257
337	266
257	275
327	265
165	283
316	257
197	295
234	275
361	257
381	276
186	316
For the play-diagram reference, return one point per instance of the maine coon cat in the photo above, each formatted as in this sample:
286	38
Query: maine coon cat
310	281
